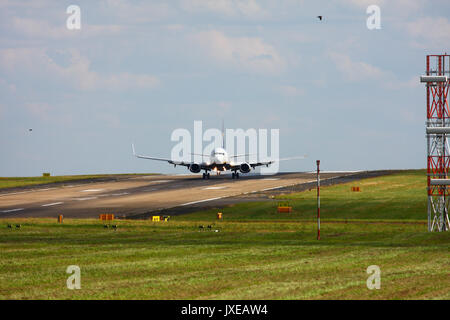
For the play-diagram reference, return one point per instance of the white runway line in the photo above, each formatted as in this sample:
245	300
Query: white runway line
213	188
350	171
12	210
51	204
13	193
103	195
160	181
110	195
271	179
84	199
147	177
194	202
92	190
273	188
22	192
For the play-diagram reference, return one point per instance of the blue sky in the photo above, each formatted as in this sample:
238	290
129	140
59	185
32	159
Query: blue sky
137	70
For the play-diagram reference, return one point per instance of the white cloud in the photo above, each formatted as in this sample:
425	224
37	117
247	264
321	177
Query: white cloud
430	31
137	13
41	29
411	83
41	110
291	91
25	4
231	8
36	62
251	54
393	10
38	28
401	5
355	70
364	3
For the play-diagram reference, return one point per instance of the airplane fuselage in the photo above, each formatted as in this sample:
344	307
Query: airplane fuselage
219	156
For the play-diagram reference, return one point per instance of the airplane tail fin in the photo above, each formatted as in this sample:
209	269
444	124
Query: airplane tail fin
223	134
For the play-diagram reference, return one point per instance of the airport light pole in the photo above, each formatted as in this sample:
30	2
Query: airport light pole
318	199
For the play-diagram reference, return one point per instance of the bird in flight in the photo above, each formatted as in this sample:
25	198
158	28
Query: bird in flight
320	18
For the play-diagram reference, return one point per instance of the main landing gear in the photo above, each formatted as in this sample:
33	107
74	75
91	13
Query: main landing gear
235	175
205	175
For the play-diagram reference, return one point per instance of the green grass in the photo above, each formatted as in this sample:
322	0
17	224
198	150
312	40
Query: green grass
394	197
263	258
11	182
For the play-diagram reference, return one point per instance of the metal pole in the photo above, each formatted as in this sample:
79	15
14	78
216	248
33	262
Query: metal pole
318	199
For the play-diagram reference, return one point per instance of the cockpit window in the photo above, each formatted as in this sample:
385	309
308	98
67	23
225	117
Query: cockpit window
217	153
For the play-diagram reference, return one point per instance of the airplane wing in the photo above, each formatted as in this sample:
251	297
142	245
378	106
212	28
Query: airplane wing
240	155
266	163
178	163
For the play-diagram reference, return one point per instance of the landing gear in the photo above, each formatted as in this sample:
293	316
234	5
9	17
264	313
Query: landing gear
235	175
205	175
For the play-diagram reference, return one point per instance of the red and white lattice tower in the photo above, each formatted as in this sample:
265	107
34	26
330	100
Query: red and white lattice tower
438	127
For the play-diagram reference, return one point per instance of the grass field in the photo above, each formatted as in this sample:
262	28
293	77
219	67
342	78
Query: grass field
255	255
393	197
12	182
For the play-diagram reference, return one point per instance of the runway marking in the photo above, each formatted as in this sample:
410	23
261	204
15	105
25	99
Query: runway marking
337	171
51	204
267	189
21	192
194	202
88	198
13	193
92	190
161	181
213	188
12	210
271	179
119	194
147	177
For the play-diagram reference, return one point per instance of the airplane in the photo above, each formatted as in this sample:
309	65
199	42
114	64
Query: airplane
219	161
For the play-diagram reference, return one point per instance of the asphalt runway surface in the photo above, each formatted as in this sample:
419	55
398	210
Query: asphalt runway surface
142	196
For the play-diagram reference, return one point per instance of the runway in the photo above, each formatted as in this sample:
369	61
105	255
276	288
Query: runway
136	195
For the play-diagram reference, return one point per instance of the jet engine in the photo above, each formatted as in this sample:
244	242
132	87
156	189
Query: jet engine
245	168
195	168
